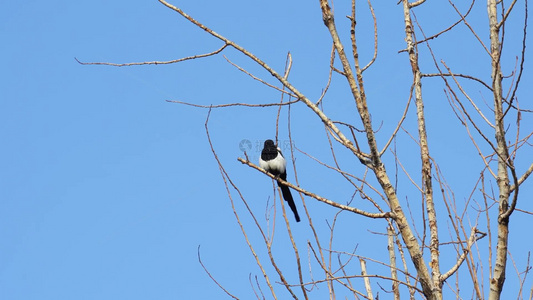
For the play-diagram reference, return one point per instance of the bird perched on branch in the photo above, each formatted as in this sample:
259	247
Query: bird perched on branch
273	162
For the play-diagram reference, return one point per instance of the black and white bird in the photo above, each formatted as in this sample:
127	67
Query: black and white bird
273	161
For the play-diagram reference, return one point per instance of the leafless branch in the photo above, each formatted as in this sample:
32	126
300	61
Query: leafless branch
259	79
232	104
523	55
463	256
155	62
458	75
366	279
211	276
317	197
375	37
463	18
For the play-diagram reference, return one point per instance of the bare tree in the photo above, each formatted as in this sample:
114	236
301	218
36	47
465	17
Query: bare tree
449	239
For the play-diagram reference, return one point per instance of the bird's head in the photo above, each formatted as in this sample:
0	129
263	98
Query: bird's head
269	143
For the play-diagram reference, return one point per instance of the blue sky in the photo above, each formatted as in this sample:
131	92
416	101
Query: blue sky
107	190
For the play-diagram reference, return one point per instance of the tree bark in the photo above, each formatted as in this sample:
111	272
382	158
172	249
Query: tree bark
498	276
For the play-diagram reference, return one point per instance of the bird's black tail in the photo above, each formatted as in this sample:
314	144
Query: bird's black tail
288	197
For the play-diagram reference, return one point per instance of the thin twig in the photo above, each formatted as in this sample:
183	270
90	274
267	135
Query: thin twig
375	38
155	62
261	80
211	276
232	104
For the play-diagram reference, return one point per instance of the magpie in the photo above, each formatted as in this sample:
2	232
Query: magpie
273	162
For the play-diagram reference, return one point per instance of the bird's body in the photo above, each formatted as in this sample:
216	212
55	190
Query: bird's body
273	161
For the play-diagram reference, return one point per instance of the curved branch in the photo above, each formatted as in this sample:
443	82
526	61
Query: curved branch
459	75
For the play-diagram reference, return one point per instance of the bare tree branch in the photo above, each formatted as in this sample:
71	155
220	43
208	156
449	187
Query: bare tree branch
319	198
155	62
463	256
232	104
212	278
522	178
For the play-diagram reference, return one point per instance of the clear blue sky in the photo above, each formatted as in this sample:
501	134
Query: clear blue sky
107	190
